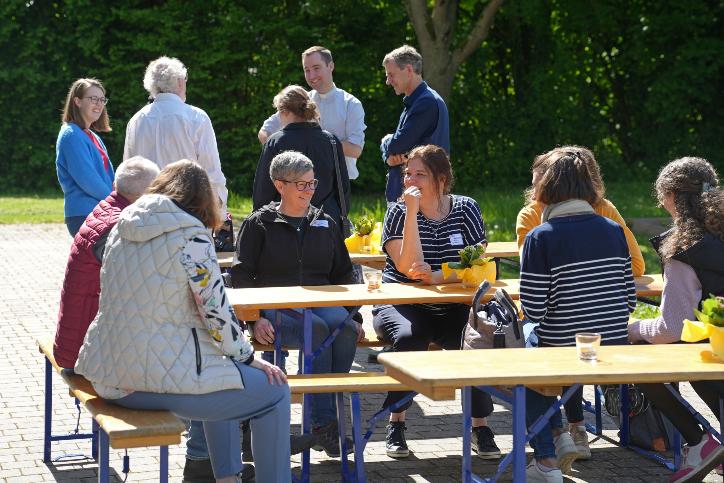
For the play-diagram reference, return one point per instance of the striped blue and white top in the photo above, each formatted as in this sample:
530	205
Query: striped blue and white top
575	276
441	240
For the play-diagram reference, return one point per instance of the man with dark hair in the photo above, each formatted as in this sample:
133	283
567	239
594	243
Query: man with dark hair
424	120
340	112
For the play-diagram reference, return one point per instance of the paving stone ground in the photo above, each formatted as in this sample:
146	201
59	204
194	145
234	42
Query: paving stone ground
32	259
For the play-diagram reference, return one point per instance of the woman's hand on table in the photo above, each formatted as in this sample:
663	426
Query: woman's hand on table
412	199
275	374
264	331
421	271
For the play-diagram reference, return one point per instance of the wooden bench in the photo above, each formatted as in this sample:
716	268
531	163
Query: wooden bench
258	346
113	426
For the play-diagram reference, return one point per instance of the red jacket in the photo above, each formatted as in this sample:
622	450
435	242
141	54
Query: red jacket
82	283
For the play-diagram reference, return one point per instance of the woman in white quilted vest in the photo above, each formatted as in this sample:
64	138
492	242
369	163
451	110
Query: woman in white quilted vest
166	338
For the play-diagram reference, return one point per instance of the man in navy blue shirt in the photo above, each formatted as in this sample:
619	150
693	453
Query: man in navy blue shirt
424	120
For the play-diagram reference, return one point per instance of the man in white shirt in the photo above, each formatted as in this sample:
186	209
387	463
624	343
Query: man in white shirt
340	112
168	129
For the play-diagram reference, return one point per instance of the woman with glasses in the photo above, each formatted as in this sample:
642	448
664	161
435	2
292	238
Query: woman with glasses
84	169
301	132
290	242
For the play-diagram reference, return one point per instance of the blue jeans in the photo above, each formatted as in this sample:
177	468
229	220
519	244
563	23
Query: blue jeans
73	223
535	405
265	404
337	358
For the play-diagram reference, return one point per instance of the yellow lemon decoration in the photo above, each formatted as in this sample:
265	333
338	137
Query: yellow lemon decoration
471	277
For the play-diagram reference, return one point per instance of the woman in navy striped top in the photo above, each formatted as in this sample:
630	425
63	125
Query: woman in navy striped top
428	227
575	276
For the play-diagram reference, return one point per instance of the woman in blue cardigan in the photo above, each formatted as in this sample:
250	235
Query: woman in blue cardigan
84	169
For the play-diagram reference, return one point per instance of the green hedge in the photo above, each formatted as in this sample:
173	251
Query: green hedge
638	81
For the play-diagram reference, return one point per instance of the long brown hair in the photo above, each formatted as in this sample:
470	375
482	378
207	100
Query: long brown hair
71	112
295	100
187	184
585	155
698	199
437	163
566	178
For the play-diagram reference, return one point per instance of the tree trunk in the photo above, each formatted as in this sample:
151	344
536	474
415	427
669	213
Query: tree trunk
435	33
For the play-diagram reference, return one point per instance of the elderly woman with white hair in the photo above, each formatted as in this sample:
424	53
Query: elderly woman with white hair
290	242
168	129
82	282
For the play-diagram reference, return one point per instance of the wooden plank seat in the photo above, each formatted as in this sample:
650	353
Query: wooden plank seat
113	425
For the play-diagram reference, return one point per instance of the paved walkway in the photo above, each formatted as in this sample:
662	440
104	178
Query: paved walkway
32	259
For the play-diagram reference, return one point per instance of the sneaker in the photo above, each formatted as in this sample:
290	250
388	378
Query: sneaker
327	440
699	460
534	473
566	451
200	471
580	439
483	443
395	440
297	443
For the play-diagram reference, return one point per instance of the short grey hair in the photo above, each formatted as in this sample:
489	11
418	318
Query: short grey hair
163	74
134	175
405	55
289	165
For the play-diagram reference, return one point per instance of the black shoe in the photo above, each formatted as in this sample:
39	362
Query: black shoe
300	442
372	357
327	440
395	441
198	471
483	443
248	474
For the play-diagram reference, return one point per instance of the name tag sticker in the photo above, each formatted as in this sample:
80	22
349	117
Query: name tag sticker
456	239
321	223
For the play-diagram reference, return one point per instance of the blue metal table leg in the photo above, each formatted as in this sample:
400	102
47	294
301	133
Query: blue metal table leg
467	428
307	400
599	416
623	434
519	433
94	439
359	445
342	433
48	410
103	462
163	469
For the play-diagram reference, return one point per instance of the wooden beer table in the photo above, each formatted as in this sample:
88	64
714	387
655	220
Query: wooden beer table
437	374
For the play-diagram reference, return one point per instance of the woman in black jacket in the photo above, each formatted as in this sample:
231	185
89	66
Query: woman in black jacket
290	243
301	132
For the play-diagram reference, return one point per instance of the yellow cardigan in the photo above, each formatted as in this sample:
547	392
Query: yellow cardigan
530	216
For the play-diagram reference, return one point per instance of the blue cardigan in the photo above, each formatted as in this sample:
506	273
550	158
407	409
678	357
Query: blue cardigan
81	174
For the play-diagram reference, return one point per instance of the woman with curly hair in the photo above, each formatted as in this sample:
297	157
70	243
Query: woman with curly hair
692	253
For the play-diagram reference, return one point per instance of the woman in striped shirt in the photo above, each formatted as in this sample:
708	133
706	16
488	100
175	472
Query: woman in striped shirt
575	276
428	227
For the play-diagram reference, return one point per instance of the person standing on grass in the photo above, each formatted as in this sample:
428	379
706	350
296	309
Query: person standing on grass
424	120
84	169
340	112
575	276
693	256
82	281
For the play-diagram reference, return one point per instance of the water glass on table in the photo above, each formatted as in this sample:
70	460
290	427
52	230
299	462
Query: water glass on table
587	344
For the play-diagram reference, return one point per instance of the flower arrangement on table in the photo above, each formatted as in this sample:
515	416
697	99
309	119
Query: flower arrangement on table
710	325
473	267
367	237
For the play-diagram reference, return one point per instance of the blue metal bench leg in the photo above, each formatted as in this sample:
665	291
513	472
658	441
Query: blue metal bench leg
103	461
48	410
163	476
342	433
94	439
359	444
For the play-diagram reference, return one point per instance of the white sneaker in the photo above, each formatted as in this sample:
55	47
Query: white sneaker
535	474
580	439
566	451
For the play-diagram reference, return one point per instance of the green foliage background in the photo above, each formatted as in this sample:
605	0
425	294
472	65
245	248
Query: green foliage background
640	82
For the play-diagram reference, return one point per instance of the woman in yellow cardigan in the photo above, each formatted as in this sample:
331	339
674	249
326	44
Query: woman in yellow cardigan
530	216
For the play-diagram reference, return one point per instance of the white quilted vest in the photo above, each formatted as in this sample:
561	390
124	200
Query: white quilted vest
142	337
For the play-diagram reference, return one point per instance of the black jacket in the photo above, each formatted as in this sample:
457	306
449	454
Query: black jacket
272	254
309	139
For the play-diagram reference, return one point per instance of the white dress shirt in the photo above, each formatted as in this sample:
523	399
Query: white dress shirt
168	130
340	113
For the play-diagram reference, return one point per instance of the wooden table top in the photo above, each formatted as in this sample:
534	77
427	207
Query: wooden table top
495	249
437	374
248	301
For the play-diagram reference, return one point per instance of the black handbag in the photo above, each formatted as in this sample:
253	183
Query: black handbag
224	236
347	227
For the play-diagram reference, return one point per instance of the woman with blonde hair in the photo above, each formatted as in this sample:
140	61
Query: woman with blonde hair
84	169
166	338
301	132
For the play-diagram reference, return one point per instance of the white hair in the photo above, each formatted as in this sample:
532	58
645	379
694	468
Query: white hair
163	74
134	175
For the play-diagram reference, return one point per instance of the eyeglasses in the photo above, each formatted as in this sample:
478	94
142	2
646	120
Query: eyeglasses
303	185
96	100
